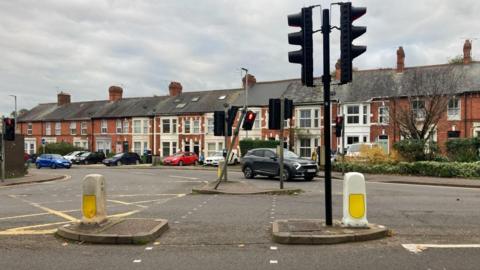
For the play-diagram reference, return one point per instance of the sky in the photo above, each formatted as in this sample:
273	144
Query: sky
84	46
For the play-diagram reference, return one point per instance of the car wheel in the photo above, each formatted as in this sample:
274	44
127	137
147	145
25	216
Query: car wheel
180	163
38	166
119	163
248	172
54	166
286	175
308	178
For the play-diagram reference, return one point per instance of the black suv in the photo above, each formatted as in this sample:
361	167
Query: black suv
264	161
89	158
123	158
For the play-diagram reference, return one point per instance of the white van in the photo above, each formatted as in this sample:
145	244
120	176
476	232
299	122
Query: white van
353	150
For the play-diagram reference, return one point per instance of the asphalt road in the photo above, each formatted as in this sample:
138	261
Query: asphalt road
233	232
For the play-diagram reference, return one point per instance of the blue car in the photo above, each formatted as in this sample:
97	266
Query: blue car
53	161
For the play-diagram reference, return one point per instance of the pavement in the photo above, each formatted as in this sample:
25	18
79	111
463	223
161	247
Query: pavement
35	177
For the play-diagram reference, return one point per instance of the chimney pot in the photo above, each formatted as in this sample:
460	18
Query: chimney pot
338	70
467	52
115	93
400	60
63	98
175	88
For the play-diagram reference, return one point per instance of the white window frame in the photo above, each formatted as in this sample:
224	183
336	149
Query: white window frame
58	128
305	148
146	126
418	111
29	129
73	128
352	115
365	117
185	121
257	123
210	125
383	115
166	123
453	113
316	117
118	126
104	127
137	126
48	128
126	126
196	126
83	128
304	121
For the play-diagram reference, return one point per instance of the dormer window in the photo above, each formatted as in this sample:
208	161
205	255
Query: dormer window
222	97
195	99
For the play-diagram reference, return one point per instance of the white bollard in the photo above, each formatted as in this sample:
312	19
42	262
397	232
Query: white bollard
354	200
94	199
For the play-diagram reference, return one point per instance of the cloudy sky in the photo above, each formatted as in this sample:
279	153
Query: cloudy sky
84	46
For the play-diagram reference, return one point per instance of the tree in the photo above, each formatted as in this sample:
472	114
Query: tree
424	94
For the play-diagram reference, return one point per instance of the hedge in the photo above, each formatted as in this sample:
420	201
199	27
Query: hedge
414	150
62	148
247	144
419	168
463	149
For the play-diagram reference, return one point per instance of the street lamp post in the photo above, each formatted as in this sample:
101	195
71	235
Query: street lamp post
15	116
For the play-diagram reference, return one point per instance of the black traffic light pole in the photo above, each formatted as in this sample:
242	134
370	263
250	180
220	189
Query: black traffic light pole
3	149
326	79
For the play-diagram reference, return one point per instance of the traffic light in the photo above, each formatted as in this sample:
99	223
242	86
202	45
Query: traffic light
232	113
249	120
288	109
348	51
9	129
274	113
218	123
338	126
304	56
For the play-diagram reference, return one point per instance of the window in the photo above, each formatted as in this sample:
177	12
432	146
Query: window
104	127
315	118
305	149
418	109
174	125
73	128
77	144
365	115
29	128
195	99
174	147
166	125
196	126
210	125
365	139
146	127
48	129
256	124
211	149
126	126
453	112
220	146
383	115
305	119
352	139
83	128
222	97
119	126
353	114
137	148
137	126
187	126
58	128
166	149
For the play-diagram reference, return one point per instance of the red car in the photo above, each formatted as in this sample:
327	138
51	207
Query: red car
181	158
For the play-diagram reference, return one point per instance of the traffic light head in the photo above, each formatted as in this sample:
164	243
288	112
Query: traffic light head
249	120
338	126
348	51
218	123
9	129
304	56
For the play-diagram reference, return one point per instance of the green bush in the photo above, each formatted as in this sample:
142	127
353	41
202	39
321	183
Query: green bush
62	148
248	144
419	168
417	150
463	149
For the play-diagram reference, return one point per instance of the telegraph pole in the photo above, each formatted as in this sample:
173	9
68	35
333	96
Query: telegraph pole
326	79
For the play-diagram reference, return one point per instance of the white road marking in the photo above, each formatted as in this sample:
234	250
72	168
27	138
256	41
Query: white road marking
273	248
137	261
183	177
417	248
273	261
148	248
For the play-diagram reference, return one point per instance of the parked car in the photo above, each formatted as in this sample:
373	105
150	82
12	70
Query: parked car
123	158
218	156
353	150
53	161
74	154
89	158
181	158
264	161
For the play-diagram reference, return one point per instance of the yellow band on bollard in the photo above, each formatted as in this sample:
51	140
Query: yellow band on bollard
89	206
356	205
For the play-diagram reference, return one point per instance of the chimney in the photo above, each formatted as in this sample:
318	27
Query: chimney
175	89
467	52
338	70
400	60
63	98
251	81
115	93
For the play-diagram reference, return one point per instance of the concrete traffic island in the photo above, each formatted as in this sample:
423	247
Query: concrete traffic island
241	188
315	232
115	231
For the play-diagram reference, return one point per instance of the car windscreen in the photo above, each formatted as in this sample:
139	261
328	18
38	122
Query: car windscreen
55	156
178	154
289	154
218	154
118	155
85	154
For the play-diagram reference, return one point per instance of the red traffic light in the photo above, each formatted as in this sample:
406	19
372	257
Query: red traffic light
339	120
249	120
